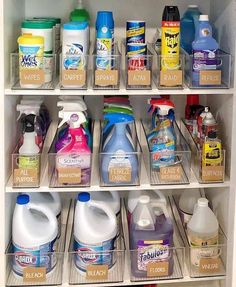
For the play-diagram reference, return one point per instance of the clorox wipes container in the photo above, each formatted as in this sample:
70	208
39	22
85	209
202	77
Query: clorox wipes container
94	233
33	236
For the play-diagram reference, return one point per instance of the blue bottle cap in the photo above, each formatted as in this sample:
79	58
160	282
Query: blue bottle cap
75	25
104	18
22	199
83	196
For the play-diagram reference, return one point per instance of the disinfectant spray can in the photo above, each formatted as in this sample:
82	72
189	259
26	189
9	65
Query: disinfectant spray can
170	42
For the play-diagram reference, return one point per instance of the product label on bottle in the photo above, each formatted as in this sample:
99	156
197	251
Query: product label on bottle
73	78
212	153
139	78
73	160
201	248
74	58
104	58
205	60
151	252
94	254
106	77
97	272
171	78
41	256
120	169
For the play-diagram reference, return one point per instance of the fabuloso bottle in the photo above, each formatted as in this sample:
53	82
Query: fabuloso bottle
170	41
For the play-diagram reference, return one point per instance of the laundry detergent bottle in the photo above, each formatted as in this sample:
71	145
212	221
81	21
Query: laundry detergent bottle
150	240
95	230
119	161
33	235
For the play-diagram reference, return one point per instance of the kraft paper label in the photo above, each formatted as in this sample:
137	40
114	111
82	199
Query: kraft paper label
210	265
73	77
171	173
120	174
32	77
106	77
25	176
158	269
212	78
69	175
171	78
139	78
212	173
97	272
34	274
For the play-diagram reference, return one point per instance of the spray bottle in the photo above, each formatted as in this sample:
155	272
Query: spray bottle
162	139
29	150
76	154
119	162
80	14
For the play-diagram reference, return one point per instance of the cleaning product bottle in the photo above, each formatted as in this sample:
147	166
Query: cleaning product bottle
199	125
162	139
76	153
205	50
119	161
80	14
188	27
150	240
95	230
133	198
170	41
187	202
105	19
104	49
116	99
33	236
29	150
51	200
203	231
209	124
190	108
212	150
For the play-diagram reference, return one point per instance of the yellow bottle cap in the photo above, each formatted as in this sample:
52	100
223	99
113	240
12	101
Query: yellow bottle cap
29	39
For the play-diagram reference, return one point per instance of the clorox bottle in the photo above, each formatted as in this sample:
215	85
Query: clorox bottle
33	236
94	231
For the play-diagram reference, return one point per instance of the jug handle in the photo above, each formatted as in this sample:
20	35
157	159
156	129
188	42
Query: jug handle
162	206
100	205
47	212
161	195
56	197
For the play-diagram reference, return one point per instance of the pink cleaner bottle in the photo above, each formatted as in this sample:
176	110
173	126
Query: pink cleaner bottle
76	154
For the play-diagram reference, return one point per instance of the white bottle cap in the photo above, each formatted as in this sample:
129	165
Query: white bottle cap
192	6
144	199
202	202
203	18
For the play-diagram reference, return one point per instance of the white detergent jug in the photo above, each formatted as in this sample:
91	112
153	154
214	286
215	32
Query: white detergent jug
134	195
33	236
94	231
203	231
51	200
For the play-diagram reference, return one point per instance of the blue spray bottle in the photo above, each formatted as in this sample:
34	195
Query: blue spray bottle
119	162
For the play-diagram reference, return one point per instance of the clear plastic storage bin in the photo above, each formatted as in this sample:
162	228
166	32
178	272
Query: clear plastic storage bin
28	77
211	259
74	72
107	78
120	171
218	78
178	168
204	174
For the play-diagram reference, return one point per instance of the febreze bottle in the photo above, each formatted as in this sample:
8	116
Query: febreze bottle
162	139
76	154
170	42
119	161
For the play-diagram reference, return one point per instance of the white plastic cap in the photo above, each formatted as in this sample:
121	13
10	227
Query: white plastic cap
203	202
144	199
192	6
203	18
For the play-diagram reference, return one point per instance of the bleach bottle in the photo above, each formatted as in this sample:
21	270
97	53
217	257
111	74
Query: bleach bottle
95	230
33	236
205	50
150	239
51	200
188	27
119	161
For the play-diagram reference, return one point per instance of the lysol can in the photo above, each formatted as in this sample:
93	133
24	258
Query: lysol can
137	53
135	32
